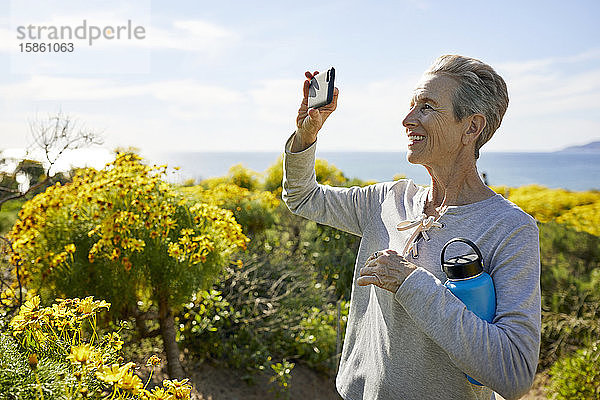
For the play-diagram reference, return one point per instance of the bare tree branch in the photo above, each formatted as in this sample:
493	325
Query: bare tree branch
54	136
20	194
9	190
59	133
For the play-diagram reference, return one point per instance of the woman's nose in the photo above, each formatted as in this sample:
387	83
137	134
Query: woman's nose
410	121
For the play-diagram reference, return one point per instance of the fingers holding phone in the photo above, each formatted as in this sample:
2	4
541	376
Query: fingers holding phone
318	102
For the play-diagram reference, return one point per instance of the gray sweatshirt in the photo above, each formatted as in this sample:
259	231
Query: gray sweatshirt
419	342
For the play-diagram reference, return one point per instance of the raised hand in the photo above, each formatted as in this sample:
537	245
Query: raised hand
310	121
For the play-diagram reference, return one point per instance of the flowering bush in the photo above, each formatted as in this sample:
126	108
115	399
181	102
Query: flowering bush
122	216
584	218
569	225
253	209
126	235
579	210
237	175
59	354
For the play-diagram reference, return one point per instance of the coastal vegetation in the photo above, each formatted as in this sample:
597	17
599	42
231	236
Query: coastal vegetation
110	265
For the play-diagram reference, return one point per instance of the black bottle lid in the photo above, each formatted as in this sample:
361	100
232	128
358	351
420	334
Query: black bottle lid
462	267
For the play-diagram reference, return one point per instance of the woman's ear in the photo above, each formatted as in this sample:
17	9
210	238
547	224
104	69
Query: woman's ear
476	125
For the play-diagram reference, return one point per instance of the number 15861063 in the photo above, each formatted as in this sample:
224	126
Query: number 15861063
46	47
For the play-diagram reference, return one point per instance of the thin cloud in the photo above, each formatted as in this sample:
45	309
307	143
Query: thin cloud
188	35
184	35
276	100
553	101
42	87
549	63
553	86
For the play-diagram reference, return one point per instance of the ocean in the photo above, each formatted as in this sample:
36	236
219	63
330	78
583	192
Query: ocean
571	171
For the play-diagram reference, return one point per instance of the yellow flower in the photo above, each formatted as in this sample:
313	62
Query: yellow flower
30	305
70	248
144	394
109	374
187	232
30	317
113	373
88	306
179	389
160	394
175	250
130	382
58	259
197	258
81	354
153	361
15	259
126	367
116	253
114	341
137	245
184	241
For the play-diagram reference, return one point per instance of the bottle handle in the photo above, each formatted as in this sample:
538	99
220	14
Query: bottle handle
464	240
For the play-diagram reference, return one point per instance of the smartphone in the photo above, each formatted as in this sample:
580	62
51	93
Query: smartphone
320	91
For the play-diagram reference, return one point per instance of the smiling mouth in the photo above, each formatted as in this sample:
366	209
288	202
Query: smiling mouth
414	139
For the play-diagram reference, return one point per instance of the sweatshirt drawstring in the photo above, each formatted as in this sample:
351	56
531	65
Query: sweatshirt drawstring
422	224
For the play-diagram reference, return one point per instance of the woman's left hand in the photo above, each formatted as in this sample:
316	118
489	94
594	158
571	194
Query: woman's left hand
386	269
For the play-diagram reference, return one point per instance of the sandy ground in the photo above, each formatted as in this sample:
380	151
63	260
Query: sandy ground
213	384
219	384
537	391
216	383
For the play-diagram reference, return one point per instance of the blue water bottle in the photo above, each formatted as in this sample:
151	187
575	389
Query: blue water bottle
468	282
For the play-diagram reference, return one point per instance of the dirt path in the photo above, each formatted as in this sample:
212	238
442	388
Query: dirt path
537	392
306	384
216	383
222	384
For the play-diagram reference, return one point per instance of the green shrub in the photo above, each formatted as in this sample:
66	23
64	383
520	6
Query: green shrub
17	379
255	311
8	214
249	340
570	282
282	376
273	177
315	343
332	254
577	376
252	209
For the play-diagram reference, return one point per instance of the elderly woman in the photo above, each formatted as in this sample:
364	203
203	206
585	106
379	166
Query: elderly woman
408	336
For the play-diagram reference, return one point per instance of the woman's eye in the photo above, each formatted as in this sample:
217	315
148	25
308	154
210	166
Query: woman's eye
426	107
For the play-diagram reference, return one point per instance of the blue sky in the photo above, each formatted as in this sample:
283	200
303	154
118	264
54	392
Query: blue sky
215	76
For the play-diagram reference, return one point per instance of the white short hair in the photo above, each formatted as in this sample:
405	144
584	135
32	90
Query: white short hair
480	90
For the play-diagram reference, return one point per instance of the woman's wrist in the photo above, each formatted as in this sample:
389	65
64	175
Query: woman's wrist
302	141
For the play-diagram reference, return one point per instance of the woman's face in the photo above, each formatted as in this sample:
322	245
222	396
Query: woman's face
434	136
